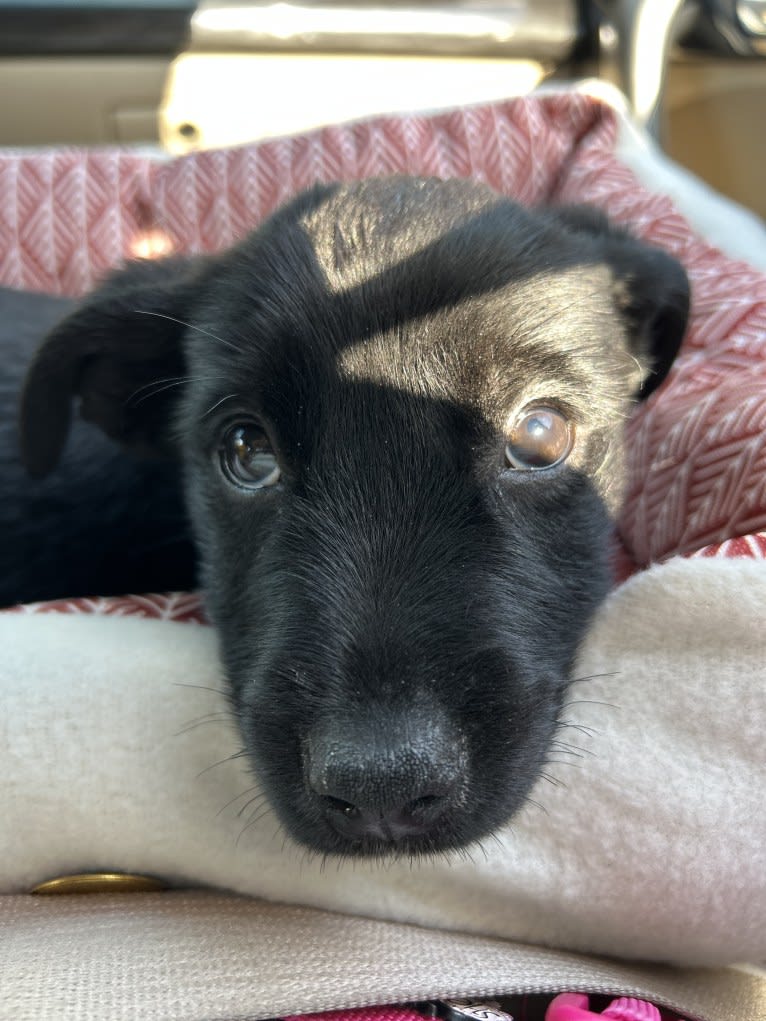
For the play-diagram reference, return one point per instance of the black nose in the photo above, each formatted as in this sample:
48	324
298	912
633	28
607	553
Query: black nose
382	781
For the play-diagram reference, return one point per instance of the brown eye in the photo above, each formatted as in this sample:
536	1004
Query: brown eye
247	459
540	437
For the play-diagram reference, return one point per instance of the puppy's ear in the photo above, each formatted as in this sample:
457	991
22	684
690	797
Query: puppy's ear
115	353
651	291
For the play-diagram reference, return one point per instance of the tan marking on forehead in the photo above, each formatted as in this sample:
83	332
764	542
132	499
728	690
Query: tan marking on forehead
396	361
496	352
354	252
368	228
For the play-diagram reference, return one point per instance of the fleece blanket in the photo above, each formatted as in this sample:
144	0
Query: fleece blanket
647	838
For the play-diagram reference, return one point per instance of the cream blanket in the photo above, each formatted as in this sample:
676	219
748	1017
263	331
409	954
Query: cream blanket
653	845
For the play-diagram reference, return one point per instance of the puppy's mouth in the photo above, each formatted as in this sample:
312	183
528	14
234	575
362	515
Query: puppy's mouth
412	830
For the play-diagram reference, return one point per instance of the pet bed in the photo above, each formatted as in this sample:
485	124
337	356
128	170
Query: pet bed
655	849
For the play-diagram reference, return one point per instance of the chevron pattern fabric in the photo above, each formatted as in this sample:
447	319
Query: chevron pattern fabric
697	448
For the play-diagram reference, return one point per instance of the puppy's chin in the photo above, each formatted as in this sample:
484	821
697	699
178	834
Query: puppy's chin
325	841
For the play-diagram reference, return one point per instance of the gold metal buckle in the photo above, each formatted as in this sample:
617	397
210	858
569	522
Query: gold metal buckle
99	882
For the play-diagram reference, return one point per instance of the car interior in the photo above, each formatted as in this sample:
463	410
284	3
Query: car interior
182	77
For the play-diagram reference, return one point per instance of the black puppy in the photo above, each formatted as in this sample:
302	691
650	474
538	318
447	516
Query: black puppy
102	523
398	408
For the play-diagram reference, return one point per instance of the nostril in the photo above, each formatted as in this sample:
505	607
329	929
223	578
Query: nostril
425	811
424	803
339	805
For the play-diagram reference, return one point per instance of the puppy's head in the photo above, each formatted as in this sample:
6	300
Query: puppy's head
400	408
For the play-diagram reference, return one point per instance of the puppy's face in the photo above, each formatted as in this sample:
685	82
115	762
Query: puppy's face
401	428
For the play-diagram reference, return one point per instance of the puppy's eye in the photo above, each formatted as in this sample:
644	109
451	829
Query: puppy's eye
540	437
247	459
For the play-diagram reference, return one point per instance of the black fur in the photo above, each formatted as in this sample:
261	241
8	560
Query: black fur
398	617
101	523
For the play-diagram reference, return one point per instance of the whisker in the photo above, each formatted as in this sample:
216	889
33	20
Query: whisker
238	796
217	404
202	687
466	855
498	841
587	731
132	402
206	716
157	382
483	850
275	834
552	780
593	677
190	326
564	762
255	800
157	386
221	717
591	701
229	758
445	858
531	801
571	749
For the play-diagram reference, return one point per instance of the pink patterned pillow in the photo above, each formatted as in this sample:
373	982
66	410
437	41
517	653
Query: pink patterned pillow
697	448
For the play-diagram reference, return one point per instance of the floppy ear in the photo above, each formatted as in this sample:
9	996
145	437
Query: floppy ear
651	290
108	352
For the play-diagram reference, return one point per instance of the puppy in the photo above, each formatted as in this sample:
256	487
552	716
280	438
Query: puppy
398	411
102	523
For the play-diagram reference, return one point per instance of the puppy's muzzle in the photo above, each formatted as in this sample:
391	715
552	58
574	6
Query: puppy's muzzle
385	779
